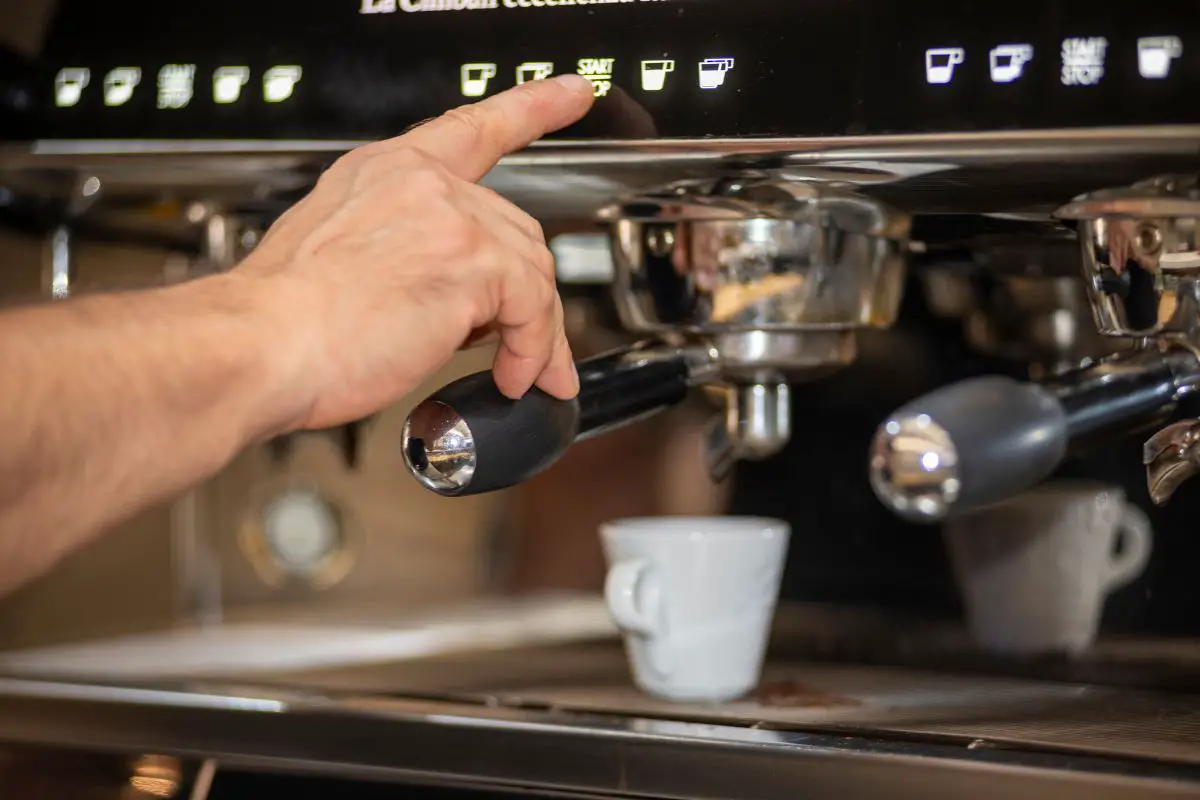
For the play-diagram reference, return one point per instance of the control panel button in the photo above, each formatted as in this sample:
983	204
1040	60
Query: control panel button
228	83
279	83
69	85
119	85
1083	60
940	63
475	79
534	71
1155	55
654	74
1007	61
713	71
599	71
176	84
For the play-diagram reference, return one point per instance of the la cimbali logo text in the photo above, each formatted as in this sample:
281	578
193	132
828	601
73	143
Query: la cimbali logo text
415	6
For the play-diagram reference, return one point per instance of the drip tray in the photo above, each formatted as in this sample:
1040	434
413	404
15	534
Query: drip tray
1011	713
988	712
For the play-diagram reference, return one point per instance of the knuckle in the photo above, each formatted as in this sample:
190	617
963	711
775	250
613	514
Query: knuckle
472	120
463	238
411	158
543	259
355	160
531	227
427	180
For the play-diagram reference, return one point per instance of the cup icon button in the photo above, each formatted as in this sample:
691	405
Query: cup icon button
69	85
654	74
712	72
1008	61
940	63
1155	54
475	79
534	71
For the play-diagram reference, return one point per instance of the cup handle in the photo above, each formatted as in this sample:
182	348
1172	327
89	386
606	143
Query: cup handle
621	593
1138	539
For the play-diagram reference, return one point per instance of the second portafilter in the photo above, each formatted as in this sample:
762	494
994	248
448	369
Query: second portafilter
745	285
986	439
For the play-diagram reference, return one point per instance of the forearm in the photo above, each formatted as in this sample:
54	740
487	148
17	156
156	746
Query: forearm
114	402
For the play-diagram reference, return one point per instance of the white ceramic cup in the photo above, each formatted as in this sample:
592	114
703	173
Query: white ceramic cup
1035	571
694	598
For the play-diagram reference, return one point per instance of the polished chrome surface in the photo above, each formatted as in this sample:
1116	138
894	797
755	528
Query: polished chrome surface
915	463
1141	255
757	424
60	263
1172	457
1127	392
914	468
748	356
59	273
439	449
756	256
1027	172
598	753
1045	321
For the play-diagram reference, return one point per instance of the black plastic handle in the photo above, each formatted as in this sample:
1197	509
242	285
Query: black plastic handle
968	445
468	438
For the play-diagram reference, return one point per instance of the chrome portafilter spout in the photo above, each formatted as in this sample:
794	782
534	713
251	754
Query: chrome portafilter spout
746	286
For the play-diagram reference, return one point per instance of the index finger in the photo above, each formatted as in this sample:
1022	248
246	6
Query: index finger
470	140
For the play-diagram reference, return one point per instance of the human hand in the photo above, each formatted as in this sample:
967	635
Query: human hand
397	259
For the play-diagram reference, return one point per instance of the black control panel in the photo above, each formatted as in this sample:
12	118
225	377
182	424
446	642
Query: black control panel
366	69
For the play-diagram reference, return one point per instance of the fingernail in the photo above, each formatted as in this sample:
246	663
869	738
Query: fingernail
576	83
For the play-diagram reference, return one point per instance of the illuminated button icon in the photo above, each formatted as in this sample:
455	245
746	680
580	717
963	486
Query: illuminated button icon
475	79
1155	54
1008	61
599	71
119	85
712	72
228	83
175	85
654	74
1083	60
69	85
534	71
280	82
940	63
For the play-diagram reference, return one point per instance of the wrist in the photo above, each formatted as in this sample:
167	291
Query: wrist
271	333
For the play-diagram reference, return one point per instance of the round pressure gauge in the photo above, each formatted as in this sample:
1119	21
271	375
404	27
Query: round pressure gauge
301	530
298	534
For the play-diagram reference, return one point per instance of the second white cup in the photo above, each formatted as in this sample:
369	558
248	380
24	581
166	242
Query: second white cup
1035	570
694	598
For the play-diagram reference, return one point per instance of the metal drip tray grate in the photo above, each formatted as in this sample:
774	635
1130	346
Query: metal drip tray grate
975	710
983	711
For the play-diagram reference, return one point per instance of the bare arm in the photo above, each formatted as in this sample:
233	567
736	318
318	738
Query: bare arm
114	402
372	282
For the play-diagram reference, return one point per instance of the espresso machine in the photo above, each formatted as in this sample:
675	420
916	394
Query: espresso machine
912	258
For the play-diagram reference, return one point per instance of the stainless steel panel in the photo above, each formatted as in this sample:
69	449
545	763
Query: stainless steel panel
432	742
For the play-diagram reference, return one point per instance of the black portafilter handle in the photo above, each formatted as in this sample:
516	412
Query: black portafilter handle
468	438
986	439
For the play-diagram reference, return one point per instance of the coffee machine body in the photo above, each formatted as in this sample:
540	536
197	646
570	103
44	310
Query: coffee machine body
910	260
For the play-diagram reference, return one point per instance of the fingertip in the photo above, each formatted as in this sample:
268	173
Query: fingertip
576	84
561	377
514	376
562	384
509	386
